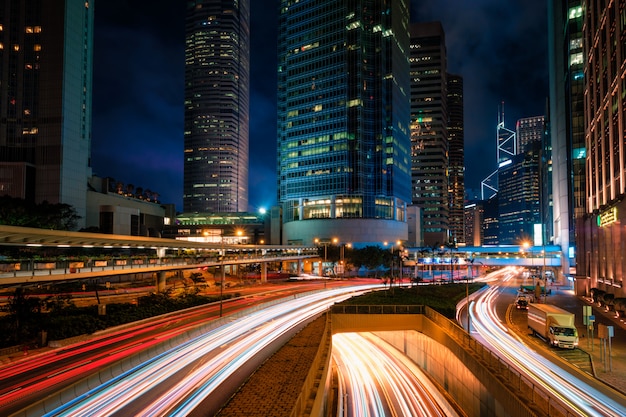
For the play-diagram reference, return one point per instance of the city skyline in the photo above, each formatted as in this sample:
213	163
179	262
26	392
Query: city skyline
138	102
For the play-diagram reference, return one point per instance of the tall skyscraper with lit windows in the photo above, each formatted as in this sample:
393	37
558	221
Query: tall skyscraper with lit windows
456	169
566	123
217	81
45	100
430	145
343	120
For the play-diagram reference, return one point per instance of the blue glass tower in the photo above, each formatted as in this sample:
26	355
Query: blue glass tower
343	120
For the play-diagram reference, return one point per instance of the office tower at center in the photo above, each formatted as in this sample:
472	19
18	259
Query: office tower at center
217	80
343	121
430	144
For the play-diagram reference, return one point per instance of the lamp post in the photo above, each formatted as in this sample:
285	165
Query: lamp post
342	258
526	246
392	260
223	275
325	243
470	263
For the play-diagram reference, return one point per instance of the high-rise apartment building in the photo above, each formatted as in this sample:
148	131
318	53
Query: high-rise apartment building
456	169
343	121
566	125
601	236
45	100
217	81
429	131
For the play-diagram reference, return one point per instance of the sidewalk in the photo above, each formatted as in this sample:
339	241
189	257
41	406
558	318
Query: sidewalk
609	369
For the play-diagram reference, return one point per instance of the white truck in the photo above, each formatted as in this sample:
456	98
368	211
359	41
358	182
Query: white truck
553	324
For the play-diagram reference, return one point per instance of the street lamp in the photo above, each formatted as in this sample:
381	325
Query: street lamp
392	260
317	242
342	258
223	275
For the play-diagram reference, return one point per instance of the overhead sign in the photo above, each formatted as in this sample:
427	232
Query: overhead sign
607	217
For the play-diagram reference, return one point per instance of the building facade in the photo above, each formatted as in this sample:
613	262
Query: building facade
529	131
343	121
430	146
217	83
566	123
518	195
531	137
600	260
456	170
474	216
45	100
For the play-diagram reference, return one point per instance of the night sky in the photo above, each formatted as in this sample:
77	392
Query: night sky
499	47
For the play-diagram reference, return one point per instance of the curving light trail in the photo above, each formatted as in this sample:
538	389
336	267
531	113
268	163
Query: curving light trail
192	371
573	393
376	379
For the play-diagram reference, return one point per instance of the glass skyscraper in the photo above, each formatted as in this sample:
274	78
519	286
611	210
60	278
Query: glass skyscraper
343	121
566	124
217	80
45	101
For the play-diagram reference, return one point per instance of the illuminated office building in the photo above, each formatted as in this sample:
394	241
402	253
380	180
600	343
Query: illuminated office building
566	124
217	80
430	145
343	120
529	130
45	101
601	235
456	168
519	207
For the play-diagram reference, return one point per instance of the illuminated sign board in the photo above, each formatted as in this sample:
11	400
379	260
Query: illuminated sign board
608	217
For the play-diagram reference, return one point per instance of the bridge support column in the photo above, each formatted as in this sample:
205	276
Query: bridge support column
160	281
263	272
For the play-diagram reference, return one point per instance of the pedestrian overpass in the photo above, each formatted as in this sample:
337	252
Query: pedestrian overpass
448	264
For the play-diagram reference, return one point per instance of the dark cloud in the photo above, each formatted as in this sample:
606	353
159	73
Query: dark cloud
499	47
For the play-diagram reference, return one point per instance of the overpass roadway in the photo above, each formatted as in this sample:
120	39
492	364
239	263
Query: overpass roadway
32	276
168	255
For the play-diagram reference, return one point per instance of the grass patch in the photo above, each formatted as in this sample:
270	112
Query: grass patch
442	298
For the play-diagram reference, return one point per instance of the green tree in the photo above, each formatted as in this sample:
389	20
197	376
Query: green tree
19	212
370	257
25	313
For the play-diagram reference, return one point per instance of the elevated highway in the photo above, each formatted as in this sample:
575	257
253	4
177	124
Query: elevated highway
157	255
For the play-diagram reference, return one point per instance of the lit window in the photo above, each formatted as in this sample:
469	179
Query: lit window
575	12
29	29
16	48
37	47
37	29
576	59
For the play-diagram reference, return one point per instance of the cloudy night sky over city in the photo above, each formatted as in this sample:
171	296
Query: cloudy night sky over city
498	47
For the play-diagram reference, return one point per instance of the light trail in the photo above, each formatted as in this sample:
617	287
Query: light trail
192	371
376	379
573	393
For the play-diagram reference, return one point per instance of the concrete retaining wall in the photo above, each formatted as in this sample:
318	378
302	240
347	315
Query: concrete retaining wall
449	363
